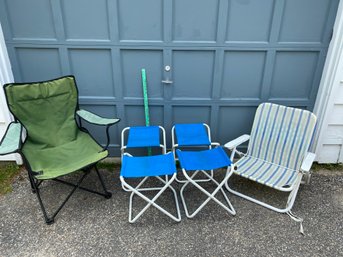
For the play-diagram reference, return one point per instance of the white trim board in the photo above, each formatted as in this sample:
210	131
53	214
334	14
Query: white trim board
6	76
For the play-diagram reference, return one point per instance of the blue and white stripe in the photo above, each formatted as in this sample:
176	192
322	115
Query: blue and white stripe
280	138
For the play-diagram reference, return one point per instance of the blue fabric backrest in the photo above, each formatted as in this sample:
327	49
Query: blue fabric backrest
191	134
143	137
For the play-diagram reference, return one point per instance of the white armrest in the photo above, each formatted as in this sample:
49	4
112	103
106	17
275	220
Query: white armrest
236	142
307	162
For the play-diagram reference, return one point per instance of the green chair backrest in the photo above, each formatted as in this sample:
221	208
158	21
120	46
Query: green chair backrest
281	135
46	109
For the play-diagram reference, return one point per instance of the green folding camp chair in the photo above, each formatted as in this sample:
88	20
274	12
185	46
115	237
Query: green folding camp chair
277	154
55	144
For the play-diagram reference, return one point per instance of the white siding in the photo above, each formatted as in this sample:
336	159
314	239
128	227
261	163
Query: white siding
329	105
6	76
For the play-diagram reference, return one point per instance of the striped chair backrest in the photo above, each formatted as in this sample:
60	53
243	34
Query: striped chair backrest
281	135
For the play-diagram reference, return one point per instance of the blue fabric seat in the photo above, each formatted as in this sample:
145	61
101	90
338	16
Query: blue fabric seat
203	160
148	166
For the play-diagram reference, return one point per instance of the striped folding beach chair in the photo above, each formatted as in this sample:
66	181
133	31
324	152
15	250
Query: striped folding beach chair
277	154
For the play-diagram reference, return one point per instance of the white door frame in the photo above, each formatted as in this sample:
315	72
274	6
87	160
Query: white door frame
6	76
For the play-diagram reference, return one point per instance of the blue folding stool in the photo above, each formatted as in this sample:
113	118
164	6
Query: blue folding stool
195	135
201	161
147	166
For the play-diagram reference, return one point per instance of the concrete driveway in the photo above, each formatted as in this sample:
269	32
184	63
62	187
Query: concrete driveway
90	225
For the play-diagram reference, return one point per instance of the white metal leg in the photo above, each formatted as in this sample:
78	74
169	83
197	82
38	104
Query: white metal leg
290	201
211	196
289	204
137	191
197	180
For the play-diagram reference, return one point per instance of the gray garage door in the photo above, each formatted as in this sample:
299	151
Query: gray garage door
225	56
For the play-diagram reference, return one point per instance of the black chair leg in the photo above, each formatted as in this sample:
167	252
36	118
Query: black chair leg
35	189
50	220
32	183
108	194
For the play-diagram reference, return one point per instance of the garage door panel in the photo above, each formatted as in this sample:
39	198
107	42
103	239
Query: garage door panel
140	20
132	62
234	122
249	20
135	116
304	21
195	20
218	59
93	70
293	74
193	74
28	22
36	64
191	114
87	22
243	74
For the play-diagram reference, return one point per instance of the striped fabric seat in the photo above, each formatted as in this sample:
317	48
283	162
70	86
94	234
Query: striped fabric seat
279	140
278	177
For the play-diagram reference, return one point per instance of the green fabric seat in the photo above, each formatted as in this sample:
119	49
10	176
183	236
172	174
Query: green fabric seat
56	144
63	159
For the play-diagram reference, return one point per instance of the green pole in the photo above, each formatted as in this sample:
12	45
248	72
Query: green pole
145	95
146	102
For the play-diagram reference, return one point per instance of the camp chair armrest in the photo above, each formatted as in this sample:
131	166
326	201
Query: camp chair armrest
96	119
11	141
307	162
236	142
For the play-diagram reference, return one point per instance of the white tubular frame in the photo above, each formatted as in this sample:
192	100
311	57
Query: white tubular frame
210	196
306	166
137	191
232	145
290	200
175	146
305	169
